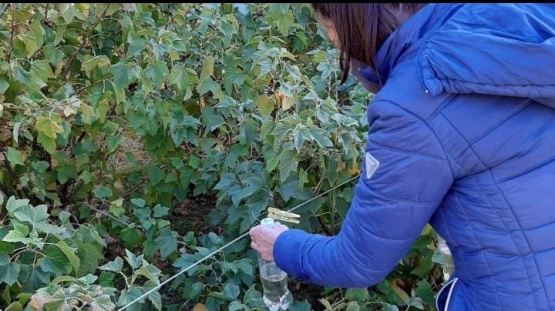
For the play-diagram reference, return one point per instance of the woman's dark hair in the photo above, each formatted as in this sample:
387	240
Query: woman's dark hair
363	27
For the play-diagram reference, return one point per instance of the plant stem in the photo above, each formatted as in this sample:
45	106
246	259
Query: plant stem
85	40
9	58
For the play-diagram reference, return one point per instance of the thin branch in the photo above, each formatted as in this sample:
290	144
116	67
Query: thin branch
4	9
105	214
46	12
323	225
85	40
12	30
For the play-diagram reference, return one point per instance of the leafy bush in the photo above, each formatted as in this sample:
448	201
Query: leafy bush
115	116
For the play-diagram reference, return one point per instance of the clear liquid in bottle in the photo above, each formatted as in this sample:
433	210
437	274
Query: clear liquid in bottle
276	294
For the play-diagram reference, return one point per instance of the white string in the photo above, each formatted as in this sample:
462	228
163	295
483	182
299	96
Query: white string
223	247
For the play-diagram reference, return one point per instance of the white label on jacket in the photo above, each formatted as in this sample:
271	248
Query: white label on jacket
371	164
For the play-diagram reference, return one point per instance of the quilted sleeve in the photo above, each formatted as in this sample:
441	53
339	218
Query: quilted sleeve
404	176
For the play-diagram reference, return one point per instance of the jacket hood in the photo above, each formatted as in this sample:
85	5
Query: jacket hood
493	49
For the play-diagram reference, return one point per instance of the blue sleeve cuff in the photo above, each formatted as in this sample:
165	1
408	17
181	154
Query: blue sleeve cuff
289	248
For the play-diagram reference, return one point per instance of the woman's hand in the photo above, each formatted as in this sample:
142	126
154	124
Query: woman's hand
263	239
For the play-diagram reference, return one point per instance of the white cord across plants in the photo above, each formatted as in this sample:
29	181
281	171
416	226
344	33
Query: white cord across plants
223	247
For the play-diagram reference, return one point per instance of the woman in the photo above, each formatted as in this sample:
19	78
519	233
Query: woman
461	136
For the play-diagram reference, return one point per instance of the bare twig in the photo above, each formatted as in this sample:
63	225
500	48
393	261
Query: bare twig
105	213
46	11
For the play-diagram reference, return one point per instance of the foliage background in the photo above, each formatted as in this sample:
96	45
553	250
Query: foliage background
135	139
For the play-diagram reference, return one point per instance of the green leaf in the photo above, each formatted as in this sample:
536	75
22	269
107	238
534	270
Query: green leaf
160	211
68	13
236	305
208	85
9	273
130	237
134	261
166	242
353	306
102	303
15	157
53	54
119	93
14	204
32	215
156	73
136	44
41	68
4	259
55	261
231	291
156	174
19	234
33	278
424	291
70	254
58	304
127	296
4	85
99	61
63	278
319	137
182	77
245	265
113	142
48	127
106	279
358	294
122	74
399	292
150	272
65	173
102	109
301	135
49	229
38	32
138	202
102	192
424	268
14	306
22	75
48	143
115	266
30	43
90	254
265	105
60	32
6	248
154	296
287	164
207	68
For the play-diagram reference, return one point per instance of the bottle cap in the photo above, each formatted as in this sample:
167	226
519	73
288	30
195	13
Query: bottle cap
267	222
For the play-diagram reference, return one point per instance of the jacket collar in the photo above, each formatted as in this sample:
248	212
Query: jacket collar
406	39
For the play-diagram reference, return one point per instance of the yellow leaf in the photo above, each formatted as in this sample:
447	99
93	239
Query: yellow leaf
285	103
68	111
340	165
399	292
117	202
353	170
199	307
265	105
48	127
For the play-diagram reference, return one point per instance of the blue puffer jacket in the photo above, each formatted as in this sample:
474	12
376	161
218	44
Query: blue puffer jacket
462	136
